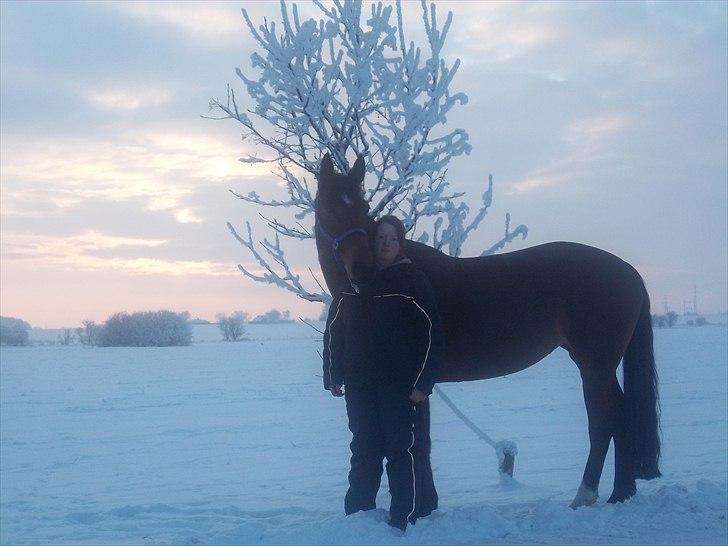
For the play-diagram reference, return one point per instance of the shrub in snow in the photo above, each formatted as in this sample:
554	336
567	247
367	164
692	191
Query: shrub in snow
231	326
13	331
146	329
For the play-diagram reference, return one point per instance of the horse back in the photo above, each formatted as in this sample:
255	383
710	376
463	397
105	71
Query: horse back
502	313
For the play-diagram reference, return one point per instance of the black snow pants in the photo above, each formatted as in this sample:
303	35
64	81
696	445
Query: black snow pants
385	423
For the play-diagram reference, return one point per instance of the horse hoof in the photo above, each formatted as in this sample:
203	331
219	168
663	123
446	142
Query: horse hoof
622	494
585	496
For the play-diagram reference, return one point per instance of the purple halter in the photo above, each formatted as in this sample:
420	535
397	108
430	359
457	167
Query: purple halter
336	241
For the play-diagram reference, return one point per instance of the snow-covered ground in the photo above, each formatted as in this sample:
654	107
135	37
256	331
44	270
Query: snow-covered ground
230	443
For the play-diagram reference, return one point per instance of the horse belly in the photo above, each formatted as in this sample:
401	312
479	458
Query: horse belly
497	345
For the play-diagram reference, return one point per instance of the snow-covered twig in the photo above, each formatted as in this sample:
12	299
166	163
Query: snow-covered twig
509	236
288	281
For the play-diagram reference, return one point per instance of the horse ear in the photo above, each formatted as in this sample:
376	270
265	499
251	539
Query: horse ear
356	174
326	170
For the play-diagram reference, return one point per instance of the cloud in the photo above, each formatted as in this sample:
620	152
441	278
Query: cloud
210	21
127	99
535	181
502	31
596	128
586	142
86	241
563	40
163	168
187	216
649	58
594	137
75	253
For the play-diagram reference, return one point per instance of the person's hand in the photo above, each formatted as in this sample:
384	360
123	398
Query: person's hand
336	390
417	396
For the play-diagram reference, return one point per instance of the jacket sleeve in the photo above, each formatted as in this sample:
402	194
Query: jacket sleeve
433	339
334	345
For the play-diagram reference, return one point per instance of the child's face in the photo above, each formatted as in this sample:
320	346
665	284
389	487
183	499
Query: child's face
386	244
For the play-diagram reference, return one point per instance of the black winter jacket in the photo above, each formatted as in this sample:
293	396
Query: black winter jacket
388	334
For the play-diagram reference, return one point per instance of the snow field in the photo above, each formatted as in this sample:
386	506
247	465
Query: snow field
229	443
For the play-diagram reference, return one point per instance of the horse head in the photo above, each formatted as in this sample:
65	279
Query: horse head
342	226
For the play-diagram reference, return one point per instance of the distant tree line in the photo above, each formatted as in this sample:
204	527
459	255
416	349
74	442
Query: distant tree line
142	329
669	319
274	316
699	321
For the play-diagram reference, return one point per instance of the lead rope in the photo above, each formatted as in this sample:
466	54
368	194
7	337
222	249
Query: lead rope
505	450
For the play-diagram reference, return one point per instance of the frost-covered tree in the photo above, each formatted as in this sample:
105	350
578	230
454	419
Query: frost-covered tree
13	331
231	326
351	83
146	329
89	333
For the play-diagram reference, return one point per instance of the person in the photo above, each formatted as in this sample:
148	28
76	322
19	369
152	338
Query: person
383	344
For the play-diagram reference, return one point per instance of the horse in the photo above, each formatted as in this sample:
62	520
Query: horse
505	312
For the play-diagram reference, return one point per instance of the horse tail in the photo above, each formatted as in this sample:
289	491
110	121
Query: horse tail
641	401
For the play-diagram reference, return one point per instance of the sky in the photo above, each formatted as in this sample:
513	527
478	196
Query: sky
602	123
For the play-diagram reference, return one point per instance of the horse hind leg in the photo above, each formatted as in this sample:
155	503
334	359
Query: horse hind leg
624	475
602	406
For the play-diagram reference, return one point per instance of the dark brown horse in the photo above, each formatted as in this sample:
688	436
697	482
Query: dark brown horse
504	313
